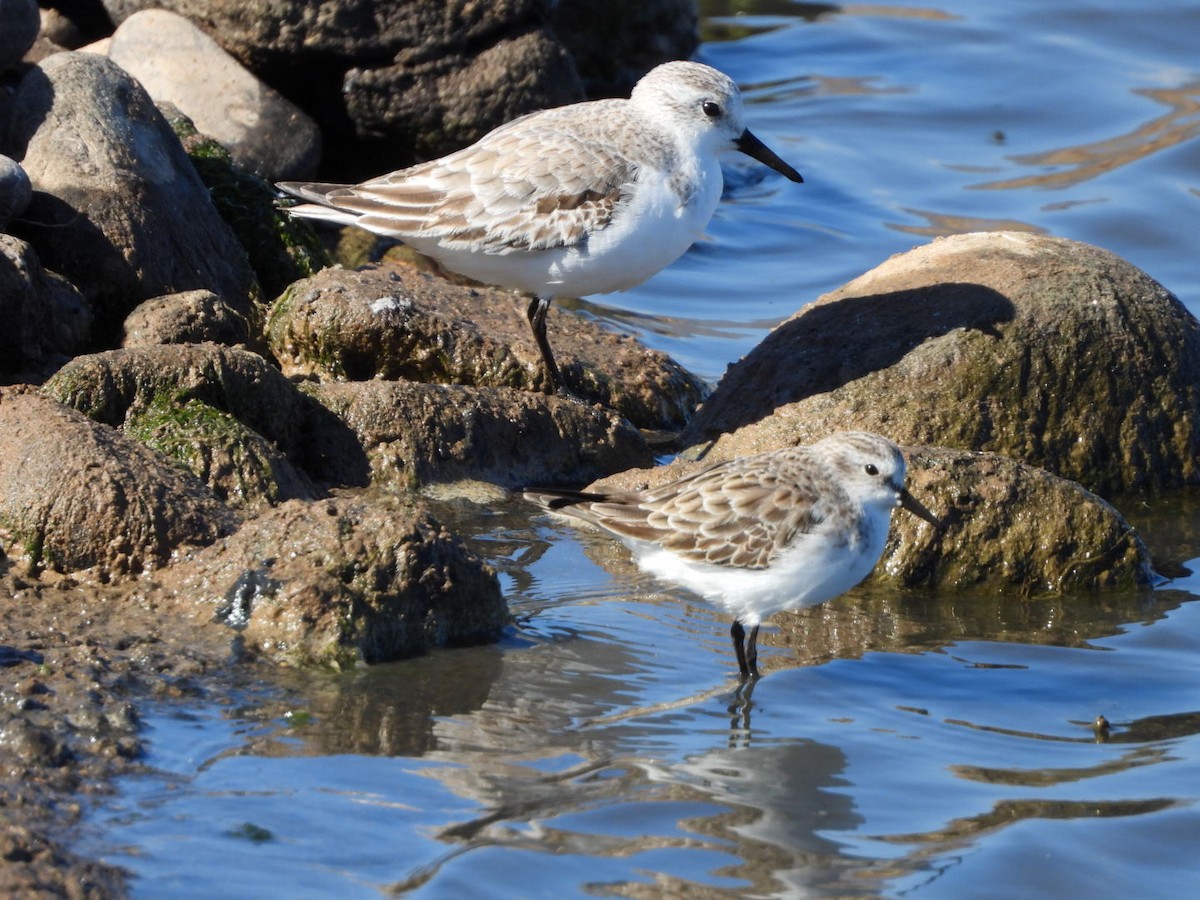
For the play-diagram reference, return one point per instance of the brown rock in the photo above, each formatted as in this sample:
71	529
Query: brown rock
415	434
191	317
1042	349
77	495
395	322
344	581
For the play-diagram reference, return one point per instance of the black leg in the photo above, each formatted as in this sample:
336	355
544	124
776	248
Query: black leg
738	633
752	652
538	307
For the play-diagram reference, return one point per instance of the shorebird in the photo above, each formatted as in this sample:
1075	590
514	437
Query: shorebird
583	199
756	535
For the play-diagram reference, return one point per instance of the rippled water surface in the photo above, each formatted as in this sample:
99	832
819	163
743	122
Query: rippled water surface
898	745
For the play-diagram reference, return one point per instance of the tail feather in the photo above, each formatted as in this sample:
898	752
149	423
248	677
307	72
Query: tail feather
555	499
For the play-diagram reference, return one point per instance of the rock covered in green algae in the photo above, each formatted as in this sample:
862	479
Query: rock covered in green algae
224	414
1046	350
77	495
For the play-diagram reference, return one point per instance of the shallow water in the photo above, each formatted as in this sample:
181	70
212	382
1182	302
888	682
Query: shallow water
935	746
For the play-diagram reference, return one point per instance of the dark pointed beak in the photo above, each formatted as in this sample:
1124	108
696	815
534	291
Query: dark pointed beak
752	146
914	506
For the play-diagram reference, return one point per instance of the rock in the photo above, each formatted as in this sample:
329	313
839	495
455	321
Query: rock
391	82
1038	348
15	191
1010	527
614	44
281	248
429	104
191	317
19	30
417	434
116	385
394	322
77	495
46	318
345	581
244	470
175	61
70	24
120	210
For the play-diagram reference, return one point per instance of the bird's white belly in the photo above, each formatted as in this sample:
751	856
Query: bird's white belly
810	572
644	236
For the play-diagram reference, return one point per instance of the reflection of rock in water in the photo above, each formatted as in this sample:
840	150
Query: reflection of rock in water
554	774
878	618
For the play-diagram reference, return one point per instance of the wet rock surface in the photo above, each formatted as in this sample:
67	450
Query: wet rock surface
77	495
396	322
417	434
345	581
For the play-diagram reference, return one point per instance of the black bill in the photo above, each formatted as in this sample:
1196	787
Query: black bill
914	506
753	147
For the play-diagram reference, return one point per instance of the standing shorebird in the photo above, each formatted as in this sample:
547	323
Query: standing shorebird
760	534
584	199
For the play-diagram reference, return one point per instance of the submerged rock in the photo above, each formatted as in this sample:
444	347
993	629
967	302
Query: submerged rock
395	322
345	581
1042	349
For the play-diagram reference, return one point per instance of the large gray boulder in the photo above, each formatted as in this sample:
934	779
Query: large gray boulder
119	208
176	62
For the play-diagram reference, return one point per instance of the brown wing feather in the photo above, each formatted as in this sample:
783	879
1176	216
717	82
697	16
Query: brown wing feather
739	513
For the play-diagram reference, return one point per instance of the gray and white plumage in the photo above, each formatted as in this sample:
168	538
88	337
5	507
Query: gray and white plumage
760	534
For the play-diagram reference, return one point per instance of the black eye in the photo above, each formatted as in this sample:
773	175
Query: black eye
711	108
871	469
